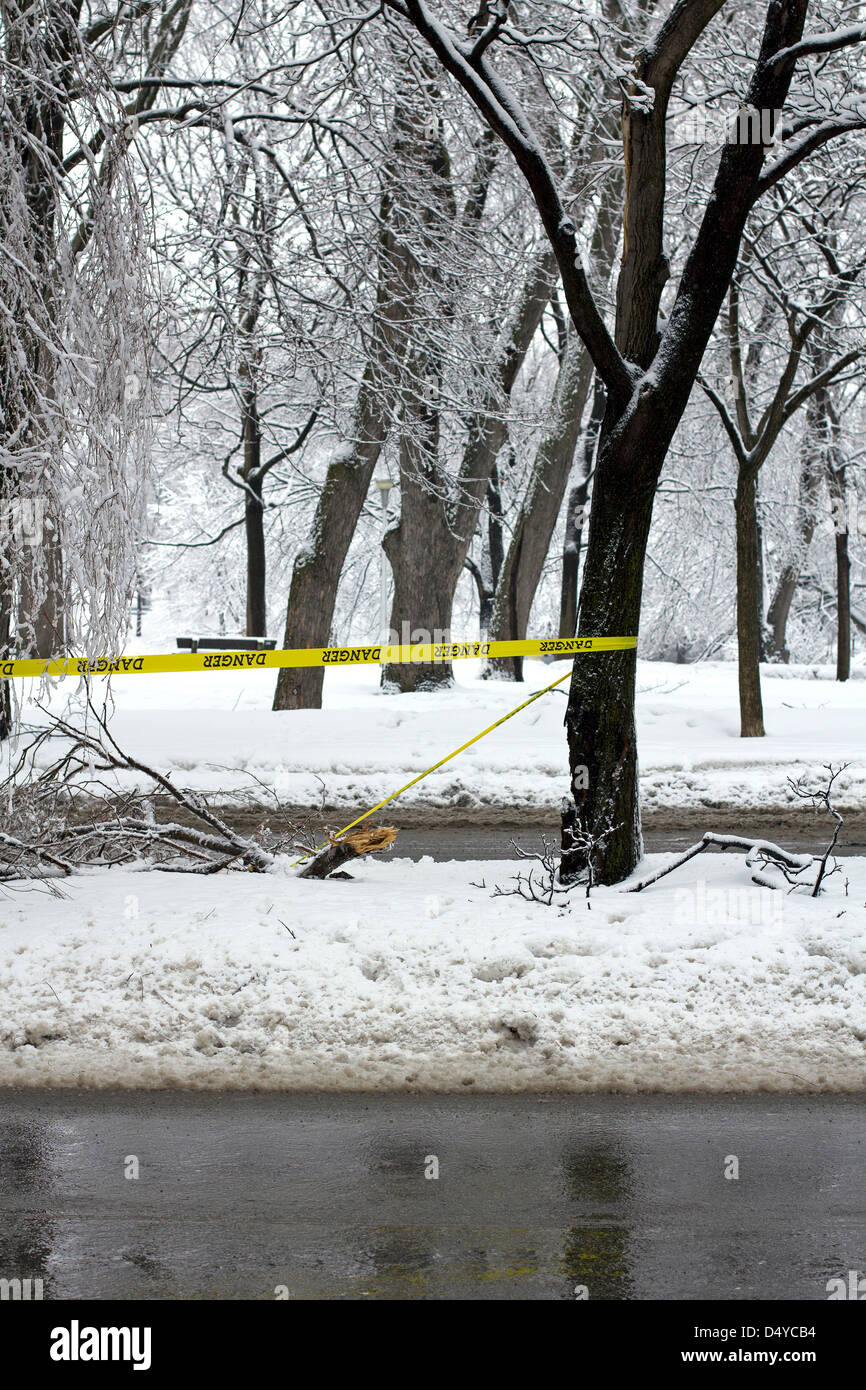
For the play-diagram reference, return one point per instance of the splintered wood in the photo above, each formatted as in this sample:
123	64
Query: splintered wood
364	840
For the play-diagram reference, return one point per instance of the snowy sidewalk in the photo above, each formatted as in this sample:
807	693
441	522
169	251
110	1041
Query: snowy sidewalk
415	977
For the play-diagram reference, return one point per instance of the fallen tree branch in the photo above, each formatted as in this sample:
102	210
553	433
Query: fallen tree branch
341	851
762	851
42	833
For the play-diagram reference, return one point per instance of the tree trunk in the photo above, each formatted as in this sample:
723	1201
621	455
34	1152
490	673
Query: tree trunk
839	513
763	635
748	625
843	607
807	506
420	558
600	720
425	573
486	572
530	541
317	569
254	517
495	542
5	635
254	525
575	520
41	611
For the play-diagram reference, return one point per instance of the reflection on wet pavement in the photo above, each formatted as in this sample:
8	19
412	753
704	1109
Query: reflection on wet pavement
609	1197
596	1256
27	1232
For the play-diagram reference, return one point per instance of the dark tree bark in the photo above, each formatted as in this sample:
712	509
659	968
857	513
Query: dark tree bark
254	528
843	607
438	533
495	545
486	573
763	636
42	627
424	572
839	512
530	540
748	607
316	572
254	517
575	520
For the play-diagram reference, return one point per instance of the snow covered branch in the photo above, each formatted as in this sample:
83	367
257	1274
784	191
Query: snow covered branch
501	108
829	42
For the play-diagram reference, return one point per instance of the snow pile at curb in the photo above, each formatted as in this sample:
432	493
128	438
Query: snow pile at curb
413	977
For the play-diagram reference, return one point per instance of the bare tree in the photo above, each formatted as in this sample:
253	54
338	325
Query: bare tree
648	368
754	431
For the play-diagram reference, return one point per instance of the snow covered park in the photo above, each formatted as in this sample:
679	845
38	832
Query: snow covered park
423	976
217	734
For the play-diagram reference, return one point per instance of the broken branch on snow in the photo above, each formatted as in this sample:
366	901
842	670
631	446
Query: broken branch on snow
43	833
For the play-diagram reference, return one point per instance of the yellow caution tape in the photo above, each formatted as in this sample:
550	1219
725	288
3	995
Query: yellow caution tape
468	744
312	656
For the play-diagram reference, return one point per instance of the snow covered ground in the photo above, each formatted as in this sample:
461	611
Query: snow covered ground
218	734
416	977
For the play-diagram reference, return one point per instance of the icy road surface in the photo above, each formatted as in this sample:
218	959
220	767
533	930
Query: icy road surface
239	1196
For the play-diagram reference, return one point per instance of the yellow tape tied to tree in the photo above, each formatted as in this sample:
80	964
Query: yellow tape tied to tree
425	652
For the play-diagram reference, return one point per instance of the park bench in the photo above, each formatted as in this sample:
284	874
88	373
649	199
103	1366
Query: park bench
227	644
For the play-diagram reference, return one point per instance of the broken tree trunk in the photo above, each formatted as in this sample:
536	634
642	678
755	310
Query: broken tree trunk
339	851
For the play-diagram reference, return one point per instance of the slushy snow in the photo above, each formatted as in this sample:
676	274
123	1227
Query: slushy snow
413	977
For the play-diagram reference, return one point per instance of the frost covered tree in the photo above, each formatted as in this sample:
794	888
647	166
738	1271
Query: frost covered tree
239	386
648	363
442	312
77	84
795	277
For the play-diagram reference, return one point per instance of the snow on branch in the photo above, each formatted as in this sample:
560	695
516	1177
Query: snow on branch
763	854
501	108
828	42
46	831
805	145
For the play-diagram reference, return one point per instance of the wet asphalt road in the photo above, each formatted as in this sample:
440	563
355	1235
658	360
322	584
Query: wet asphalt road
483	842
326	1196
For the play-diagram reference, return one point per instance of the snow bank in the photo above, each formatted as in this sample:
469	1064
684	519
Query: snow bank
414	977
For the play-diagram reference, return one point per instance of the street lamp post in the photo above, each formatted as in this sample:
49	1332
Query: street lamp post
384	485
